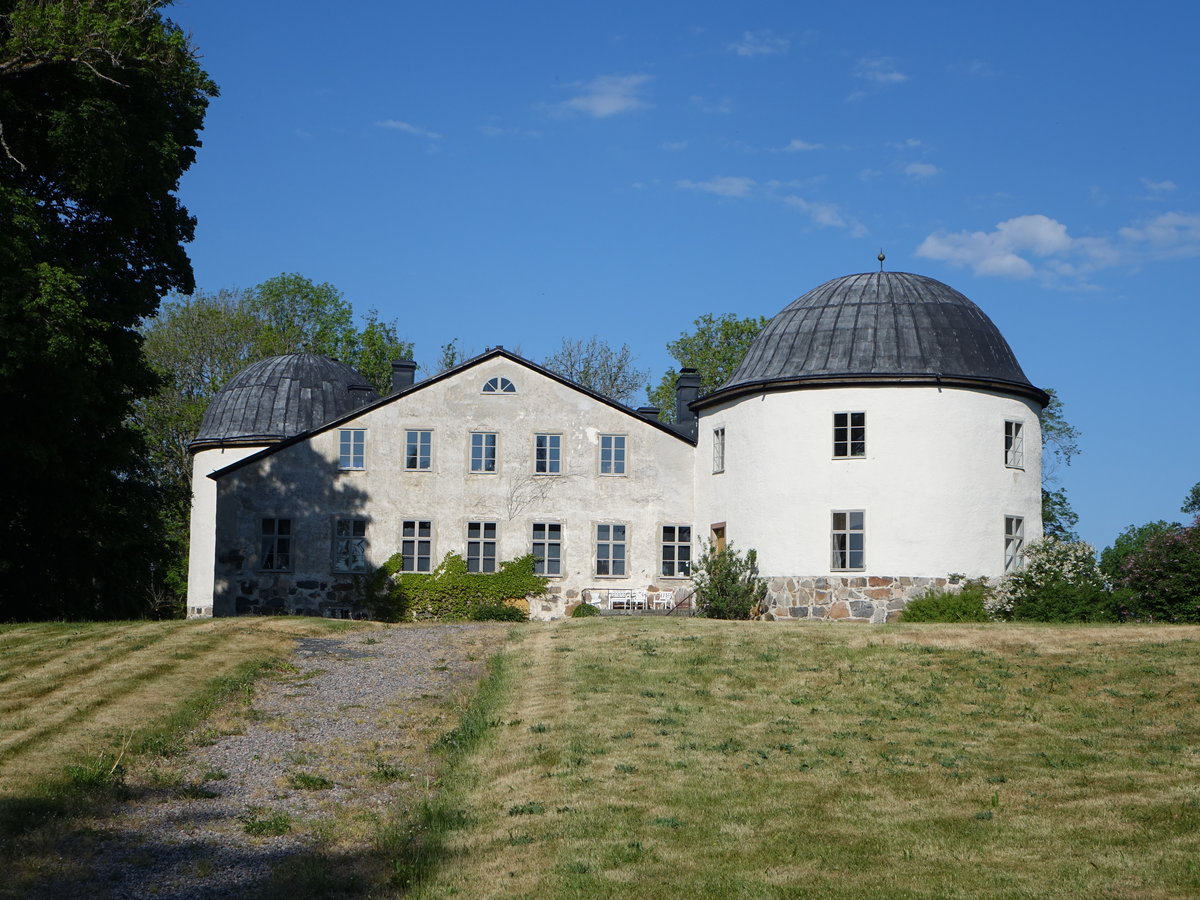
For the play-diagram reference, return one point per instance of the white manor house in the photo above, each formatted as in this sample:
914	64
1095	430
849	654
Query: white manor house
878	437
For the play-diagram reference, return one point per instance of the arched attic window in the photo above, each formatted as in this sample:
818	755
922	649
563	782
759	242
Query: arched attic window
499	385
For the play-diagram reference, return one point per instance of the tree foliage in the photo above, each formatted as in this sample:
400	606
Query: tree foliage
1191	503
1129	543
600	367
1060	442
1163	577
101	105
714	349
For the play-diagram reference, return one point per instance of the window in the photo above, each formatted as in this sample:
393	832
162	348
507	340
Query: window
547	548
418	450
416	545
849	434
481	546
350	545
547	454
1014	542
351	444
612	454
483	451
848	539
276	545
676	551
499	386
1014	445
718	450
610	549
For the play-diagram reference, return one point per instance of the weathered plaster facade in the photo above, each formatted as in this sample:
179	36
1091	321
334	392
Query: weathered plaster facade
303	483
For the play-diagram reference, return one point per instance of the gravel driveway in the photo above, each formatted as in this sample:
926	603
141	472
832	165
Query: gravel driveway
329	752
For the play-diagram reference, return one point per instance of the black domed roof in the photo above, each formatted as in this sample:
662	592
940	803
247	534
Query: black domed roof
889	327
282	396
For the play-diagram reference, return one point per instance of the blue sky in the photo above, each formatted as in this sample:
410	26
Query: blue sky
518	173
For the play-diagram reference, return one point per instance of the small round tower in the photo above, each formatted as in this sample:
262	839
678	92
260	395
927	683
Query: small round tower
879	436
267	402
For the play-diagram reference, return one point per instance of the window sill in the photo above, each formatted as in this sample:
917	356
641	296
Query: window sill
1014	468
613	577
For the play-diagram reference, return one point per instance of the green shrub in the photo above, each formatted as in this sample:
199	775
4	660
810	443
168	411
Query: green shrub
496	612
1058	582
584	611
727	584
1163	580
450	591
941	605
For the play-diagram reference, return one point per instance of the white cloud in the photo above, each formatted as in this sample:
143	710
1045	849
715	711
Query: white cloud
1000	252
674	146
1167	236
497	131
408	128
879	70
722	186
869	174
826	215
722	107
1158	187
798	145
921	170
759	43
908	144
607	96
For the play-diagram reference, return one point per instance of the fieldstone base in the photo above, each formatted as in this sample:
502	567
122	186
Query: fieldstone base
847	598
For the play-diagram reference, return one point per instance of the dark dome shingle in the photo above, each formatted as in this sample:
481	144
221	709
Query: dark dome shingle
876	325
282	396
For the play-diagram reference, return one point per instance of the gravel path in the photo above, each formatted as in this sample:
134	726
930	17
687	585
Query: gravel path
330	750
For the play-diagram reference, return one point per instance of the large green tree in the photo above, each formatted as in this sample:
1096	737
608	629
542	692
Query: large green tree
101	106
714	349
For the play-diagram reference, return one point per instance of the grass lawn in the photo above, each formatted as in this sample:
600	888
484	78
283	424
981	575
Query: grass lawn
650	757
77	700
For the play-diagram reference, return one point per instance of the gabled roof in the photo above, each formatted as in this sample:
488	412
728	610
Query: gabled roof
487	356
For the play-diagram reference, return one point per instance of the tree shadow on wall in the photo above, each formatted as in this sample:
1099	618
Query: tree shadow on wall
310	493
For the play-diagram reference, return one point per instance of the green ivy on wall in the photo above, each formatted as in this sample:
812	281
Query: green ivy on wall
451	592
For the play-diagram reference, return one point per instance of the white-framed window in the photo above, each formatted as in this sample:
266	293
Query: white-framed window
1014	444
483	451
547	548
849	540
418	450
547	454
350	545
1014	542
276	545
676	551
481	546
499	386
719	449
416	545
610	549
612	454
849	435
352	445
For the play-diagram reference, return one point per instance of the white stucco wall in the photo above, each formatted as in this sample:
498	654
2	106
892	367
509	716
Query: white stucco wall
202	543
933	484
302	482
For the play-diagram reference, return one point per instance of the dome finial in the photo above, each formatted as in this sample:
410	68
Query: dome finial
881	258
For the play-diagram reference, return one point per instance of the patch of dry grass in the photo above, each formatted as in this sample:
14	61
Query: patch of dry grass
73	692
645	757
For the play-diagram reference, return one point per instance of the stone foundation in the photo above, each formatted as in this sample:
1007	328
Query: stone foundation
844	598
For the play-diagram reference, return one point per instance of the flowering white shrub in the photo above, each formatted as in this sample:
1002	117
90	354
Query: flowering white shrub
1058	581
